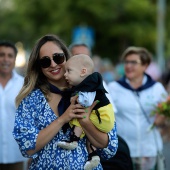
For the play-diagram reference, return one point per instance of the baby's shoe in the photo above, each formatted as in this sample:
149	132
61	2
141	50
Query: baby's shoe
92	162
71	144
68	144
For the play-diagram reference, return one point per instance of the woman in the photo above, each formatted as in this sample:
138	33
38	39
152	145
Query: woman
43	114
135	96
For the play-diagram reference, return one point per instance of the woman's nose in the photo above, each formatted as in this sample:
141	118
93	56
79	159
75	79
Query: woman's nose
53	64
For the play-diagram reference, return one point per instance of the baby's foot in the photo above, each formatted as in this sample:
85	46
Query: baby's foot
70	145
92	162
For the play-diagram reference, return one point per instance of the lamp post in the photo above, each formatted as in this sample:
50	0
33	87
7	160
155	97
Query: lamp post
160	33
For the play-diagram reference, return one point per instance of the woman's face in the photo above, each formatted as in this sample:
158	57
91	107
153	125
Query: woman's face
55	72
133	66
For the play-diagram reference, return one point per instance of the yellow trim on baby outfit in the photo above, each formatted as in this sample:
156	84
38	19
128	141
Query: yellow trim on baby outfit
107	119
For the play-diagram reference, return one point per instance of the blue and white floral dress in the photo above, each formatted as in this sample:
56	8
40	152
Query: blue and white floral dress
33	115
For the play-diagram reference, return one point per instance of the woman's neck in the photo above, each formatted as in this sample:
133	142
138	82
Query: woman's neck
60	84
136	82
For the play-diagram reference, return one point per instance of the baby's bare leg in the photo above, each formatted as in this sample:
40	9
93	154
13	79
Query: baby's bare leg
77	131
72	143
89	149
93	159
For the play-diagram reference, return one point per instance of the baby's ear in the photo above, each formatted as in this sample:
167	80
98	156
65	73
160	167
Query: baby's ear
83	72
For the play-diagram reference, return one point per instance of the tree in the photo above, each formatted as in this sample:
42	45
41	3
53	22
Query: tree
117	24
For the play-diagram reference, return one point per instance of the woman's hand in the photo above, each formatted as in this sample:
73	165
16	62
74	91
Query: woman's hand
73	111
46	134
163	125
159	120
86	115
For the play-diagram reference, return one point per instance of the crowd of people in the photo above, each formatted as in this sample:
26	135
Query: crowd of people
70	112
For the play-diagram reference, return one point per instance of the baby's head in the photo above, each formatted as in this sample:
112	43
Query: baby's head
78	67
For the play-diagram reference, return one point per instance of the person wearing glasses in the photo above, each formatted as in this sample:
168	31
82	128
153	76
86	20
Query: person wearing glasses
44	110
89	86
136	96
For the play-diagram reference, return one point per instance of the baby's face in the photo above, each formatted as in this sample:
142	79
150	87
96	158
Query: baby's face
73	72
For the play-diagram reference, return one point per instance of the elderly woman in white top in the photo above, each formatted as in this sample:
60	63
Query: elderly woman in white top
135	96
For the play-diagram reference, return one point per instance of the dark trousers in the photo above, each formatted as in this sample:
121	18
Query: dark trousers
13	166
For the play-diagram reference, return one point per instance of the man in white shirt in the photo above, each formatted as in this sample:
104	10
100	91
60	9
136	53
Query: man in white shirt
10	85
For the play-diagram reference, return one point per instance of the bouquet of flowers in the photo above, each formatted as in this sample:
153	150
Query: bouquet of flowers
163	108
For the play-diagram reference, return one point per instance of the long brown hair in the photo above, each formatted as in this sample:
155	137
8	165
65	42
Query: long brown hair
34	77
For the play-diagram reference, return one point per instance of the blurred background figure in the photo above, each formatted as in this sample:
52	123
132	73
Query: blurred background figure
122	159
80	48
107	70
119	70
104	67
165	79
97	63
10	85
135	96
154	71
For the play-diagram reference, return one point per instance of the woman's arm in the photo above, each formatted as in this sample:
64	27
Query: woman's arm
112	146
32	138
108	142
47	134
96	137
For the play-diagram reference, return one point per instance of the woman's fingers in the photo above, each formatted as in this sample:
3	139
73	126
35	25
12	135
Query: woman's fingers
94	104
74	99
87	111
78	111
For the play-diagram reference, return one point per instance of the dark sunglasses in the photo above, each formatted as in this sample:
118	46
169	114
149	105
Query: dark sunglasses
58	58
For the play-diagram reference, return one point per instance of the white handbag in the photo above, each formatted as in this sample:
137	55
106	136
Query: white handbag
160	162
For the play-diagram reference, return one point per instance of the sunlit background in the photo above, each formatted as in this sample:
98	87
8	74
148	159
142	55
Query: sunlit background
21	56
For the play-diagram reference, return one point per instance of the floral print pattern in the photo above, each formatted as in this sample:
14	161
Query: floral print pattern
34	114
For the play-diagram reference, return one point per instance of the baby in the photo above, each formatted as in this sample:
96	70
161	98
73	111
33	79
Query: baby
89	86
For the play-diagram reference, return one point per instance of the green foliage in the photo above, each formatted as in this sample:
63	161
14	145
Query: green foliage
117	23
